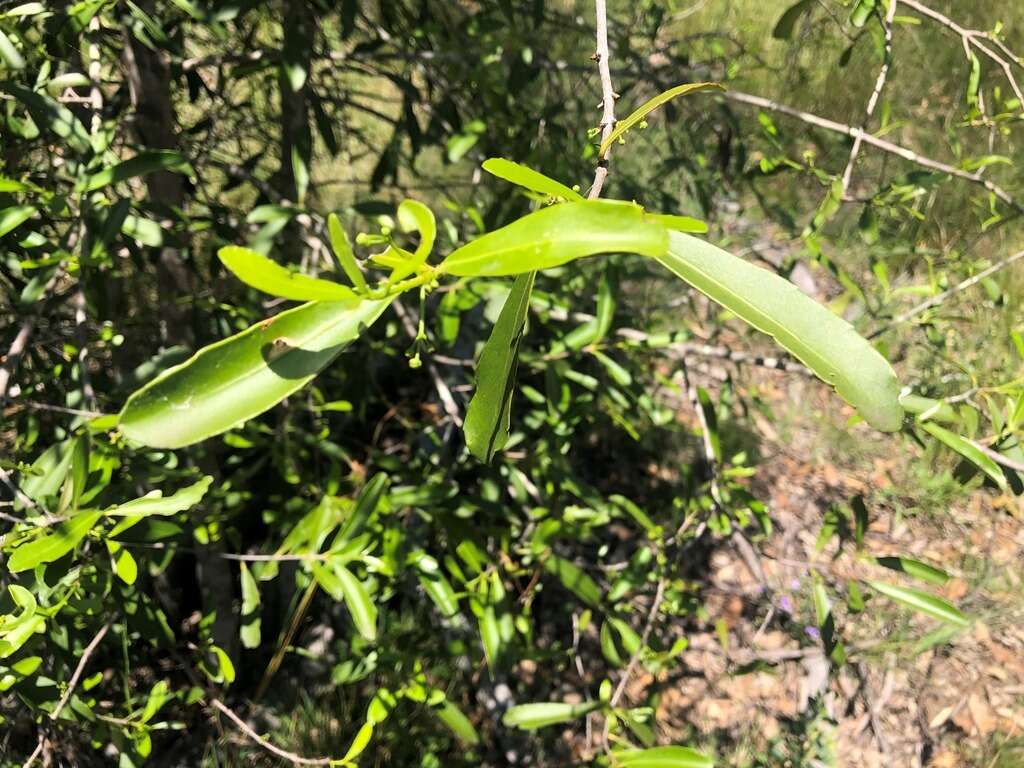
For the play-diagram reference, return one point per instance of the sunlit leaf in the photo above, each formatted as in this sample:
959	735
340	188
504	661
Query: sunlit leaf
914	568
457	723
528	178
242	376
142	164
663	757
557	235
343	250
53	116
922	602
966	449
261	273
54	544
530	717
341	584
15	216
824	342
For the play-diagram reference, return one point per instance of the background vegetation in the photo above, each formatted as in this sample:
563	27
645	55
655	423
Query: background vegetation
682	515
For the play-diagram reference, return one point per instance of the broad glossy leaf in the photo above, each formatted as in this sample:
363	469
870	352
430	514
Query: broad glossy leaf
50	114
530	717
649	106
242	376
140	165
261	273
915	568
489	413
525	177
922	602
824	342
457	723
557	235
155	503
15	216
967	450
343	250
663	757
54	544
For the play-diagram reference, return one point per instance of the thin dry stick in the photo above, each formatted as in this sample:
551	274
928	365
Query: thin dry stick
603	57
86	655
270	747
941	297
882	144
652	615
998	458
883	73
970	38
35	753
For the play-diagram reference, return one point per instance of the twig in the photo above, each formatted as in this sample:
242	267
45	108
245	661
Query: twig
652	614
9	363
272	748
882	144
35	753
86	655
998	458
883	73
941	297
970	39
24	500
603	57
34	406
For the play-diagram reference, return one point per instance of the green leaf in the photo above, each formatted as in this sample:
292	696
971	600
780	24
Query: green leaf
155	503
240	377
787	22
124	564
341	584
922	602
49	470
9	53
488	416
434	583
914	568
557	235
649	106
967	450
824	342
343	250
52	115
574	579
414	216
261	273
249	631
54	545
662	757
525	177
680	223
142	164
457	723
369	500
530	717
15	216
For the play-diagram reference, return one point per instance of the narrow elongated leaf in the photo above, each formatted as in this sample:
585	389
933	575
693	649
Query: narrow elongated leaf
343	250
53	116
140	165
922	602
249	630
649	106
49	470
525	177
457	723
663	757
914	568
155	503
489	413
434	583
574	579
680	223
967	450
9	53
261	273
342	584
54	545
242	376
824	342
15	216
530	717
557	235
367	504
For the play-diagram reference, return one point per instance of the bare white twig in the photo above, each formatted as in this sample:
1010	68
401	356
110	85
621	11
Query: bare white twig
882	144
267	745
883	73
603	57
86	655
